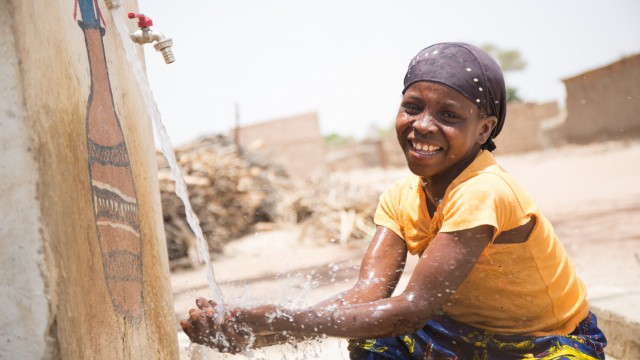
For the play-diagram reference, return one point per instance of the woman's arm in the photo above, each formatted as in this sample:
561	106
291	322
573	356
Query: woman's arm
380	271
440	271
366	313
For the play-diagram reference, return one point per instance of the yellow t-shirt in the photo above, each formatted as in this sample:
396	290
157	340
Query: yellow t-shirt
526	288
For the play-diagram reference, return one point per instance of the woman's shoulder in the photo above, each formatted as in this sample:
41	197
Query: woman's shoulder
408	182
483	169
402	191
492	179
490	184
493	185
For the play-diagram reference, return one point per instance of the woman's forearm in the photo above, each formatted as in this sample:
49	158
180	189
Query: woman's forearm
361	293
381	318
275	339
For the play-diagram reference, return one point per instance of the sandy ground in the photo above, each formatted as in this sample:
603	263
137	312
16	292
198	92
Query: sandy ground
590	193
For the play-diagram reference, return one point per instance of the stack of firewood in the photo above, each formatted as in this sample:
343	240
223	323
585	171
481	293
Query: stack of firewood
229	191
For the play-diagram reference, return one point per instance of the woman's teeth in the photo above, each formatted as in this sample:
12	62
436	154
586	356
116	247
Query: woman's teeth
425	147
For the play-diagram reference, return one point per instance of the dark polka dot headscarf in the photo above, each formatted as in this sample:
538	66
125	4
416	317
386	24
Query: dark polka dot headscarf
470	71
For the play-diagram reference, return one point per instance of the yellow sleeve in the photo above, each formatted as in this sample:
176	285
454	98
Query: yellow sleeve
387	213
486	199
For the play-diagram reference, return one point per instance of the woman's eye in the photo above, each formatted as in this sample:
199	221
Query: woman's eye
449	115
411	109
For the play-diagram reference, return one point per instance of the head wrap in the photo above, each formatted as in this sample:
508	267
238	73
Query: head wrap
470	71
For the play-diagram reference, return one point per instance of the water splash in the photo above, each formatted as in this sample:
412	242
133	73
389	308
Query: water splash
167	151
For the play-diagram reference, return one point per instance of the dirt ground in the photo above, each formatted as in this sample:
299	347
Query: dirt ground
590	193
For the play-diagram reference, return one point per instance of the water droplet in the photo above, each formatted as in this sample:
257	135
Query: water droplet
435	52
477	100
475	79
468	69
480	89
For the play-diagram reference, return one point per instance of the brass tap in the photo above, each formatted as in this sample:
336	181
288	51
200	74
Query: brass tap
145	35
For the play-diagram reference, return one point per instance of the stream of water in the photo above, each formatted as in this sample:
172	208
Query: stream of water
167	151
181	188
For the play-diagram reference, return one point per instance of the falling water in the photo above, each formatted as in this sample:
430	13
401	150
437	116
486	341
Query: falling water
312	348
167	150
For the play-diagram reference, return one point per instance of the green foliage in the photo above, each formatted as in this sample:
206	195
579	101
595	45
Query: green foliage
512	95
509	60
336	139
377	132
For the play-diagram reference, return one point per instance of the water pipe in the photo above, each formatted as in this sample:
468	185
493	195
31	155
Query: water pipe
146	35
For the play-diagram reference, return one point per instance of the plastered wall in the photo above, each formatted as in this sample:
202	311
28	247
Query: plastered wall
66	292
24	309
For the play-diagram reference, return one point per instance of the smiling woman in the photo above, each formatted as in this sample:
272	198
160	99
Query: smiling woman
493	281
439	130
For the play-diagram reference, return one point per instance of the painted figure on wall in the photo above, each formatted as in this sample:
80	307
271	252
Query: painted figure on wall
112	186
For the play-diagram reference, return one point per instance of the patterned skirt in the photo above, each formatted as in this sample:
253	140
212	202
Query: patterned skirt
444	338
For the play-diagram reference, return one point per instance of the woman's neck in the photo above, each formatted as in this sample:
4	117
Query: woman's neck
435	186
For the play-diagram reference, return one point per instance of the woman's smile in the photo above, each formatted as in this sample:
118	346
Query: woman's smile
424	148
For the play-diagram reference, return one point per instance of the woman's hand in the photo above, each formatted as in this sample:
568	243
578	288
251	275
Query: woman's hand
204	326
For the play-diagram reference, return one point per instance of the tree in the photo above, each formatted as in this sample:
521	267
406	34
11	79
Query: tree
510	61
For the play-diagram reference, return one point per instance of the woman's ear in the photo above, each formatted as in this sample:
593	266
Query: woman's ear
486	127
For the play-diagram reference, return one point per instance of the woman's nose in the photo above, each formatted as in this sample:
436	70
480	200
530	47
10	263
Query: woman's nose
425	124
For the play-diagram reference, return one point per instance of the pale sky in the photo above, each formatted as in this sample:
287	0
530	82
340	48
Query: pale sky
346	59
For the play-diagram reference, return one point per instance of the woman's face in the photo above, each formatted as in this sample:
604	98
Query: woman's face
438	128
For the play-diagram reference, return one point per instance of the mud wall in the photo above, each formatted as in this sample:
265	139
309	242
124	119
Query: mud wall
363	154
294	142
83	270
604	104
384	152
522	129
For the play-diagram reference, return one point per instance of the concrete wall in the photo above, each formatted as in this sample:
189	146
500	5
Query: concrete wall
63	296
622	334
294	142
604	104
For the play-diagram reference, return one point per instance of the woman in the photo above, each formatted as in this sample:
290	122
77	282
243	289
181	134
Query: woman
492	282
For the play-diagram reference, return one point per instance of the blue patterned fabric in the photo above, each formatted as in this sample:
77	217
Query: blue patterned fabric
444	338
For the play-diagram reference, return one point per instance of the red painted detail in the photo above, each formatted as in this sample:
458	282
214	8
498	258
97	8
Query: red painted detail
143	21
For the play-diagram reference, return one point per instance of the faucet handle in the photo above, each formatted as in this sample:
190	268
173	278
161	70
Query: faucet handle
143	21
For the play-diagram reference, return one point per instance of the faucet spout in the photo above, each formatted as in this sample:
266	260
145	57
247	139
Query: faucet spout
163	45
145	35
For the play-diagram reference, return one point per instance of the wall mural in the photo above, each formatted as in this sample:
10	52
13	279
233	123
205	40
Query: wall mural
115	204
